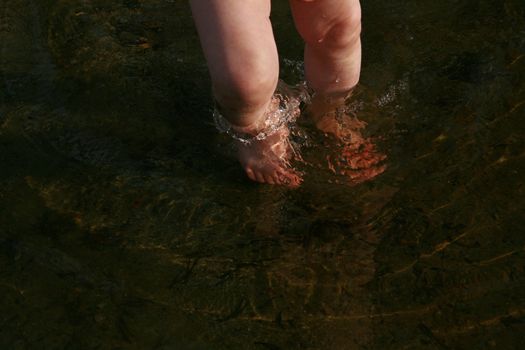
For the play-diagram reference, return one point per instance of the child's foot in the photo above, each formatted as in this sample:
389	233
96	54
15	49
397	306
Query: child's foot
268	160
264	148
355	157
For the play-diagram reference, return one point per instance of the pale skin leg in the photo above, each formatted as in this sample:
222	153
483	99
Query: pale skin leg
331	31
238	44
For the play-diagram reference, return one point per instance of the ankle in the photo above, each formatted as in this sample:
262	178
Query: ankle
324	103
260	127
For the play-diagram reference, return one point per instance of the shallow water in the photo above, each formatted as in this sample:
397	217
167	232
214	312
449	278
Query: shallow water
126	224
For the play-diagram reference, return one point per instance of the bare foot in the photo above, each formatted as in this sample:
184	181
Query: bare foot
268	160
266	155
355	157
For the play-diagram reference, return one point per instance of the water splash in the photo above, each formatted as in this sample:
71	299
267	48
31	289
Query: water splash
282	112
392	93
334	142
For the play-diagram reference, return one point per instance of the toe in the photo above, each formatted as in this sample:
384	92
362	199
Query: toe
295	181
275	177
250	174
290	179
260	178
269	179
285	179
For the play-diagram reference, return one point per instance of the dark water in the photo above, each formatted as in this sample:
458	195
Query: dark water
126	224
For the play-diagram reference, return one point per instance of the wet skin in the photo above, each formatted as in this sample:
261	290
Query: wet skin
331	32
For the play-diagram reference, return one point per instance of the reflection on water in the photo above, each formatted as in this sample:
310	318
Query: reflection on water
125	224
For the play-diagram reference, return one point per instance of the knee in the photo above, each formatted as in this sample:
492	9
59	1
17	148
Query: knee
340	33
345	32
245	91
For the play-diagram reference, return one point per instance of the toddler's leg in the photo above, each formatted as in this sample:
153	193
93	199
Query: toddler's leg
331	30
238	43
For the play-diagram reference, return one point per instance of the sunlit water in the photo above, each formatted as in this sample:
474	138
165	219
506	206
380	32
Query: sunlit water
125	222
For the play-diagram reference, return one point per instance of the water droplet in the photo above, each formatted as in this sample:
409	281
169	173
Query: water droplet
320	40
337	80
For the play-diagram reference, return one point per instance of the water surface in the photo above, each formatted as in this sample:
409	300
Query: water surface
125	223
